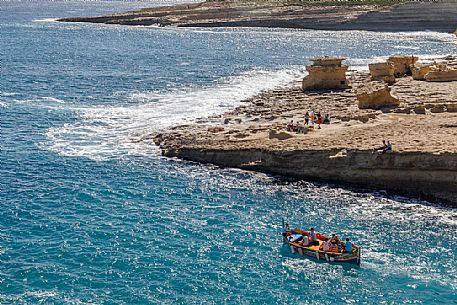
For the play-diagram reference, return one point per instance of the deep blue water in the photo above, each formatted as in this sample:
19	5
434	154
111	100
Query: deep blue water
91	215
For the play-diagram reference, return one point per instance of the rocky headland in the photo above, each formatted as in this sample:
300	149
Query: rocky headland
439	16
411	104
417	116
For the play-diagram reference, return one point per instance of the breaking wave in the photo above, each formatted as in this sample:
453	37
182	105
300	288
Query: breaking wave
102	132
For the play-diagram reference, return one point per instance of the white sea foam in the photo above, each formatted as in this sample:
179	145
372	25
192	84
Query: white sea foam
102	132
46	20
46	101
52	99
7	93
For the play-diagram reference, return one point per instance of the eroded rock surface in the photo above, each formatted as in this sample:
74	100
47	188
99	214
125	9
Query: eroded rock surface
402	64
376	96
326	73
419	70
414	16
441	76
384	71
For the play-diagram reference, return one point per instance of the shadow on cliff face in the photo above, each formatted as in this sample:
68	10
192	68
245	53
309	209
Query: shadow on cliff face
335	189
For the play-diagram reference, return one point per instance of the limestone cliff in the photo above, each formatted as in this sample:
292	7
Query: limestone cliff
423	175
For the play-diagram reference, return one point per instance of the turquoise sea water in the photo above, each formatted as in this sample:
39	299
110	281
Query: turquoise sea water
91	215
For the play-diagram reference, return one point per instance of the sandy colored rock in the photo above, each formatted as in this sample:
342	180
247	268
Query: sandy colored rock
402	64
384	71
279	135
441	76
326	73
376	96
216	129
419	70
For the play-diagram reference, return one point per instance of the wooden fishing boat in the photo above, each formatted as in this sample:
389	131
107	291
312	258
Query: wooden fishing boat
315	251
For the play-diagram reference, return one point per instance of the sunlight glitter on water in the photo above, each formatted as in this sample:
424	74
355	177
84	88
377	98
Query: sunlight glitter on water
88	215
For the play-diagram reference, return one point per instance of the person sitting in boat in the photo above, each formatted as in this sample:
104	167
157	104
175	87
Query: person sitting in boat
285	230
305	241
334	247
312	237
348	246
335	238
326	245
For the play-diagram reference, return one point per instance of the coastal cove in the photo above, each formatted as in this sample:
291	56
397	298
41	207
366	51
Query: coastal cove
92	212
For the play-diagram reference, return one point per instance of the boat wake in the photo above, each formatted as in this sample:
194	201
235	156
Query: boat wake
46	20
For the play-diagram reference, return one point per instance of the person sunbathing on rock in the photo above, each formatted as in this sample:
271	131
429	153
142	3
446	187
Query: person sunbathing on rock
382	148
384	145
300	128
295	127
327	119
289	125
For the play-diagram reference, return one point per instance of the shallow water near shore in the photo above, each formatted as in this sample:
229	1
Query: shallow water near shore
90	213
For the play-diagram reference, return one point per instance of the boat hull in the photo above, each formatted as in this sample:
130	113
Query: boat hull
331	257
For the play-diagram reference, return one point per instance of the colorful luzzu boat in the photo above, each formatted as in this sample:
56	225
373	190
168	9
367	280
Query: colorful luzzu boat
315	251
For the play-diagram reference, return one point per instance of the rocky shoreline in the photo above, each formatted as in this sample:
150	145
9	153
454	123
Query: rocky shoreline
414	16
422	128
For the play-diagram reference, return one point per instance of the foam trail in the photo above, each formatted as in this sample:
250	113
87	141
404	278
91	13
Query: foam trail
7	93
45	20
105	132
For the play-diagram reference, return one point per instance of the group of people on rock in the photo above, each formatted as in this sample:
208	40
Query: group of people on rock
295	127
316	118
386	147
310	119
332	244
